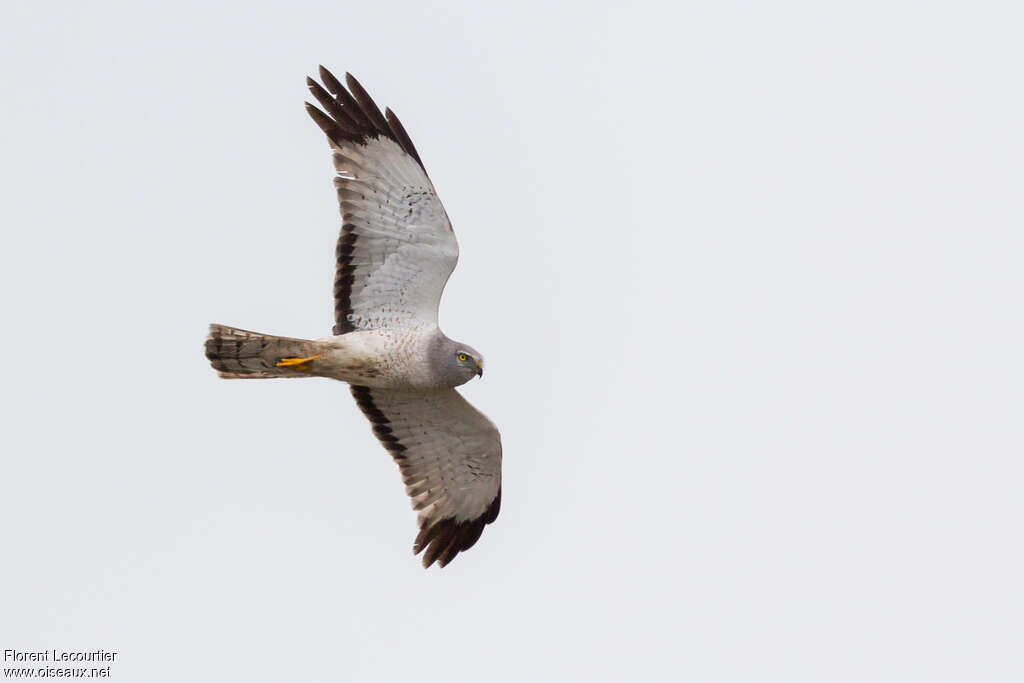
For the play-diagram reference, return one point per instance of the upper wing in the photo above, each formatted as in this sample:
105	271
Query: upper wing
450	457
396	248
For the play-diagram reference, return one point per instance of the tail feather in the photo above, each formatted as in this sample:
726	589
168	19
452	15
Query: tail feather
240	354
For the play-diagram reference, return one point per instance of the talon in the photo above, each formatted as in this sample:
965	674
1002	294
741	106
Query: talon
297	363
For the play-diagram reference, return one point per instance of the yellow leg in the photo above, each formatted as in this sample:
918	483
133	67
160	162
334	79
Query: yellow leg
298	363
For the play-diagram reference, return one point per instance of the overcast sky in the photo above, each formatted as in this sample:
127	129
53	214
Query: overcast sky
748	282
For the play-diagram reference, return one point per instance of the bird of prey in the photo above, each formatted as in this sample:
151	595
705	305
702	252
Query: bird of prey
394	255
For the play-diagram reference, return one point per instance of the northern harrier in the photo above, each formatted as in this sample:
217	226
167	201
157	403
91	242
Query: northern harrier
394	256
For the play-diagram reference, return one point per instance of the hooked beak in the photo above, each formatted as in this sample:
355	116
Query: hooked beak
479	370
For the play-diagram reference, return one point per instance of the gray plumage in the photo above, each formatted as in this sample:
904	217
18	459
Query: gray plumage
394	256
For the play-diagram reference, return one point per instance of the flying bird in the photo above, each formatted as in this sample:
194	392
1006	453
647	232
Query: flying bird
394	256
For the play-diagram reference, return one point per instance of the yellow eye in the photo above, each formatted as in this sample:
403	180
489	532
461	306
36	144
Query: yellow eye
463	357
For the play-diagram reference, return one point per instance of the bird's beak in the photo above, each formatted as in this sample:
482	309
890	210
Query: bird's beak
479	370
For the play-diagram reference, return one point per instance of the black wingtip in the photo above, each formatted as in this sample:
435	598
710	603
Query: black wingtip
355	115
325	122
330	81
402	137
368	106
446	538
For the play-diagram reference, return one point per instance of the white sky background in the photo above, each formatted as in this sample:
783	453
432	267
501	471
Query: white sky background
749	286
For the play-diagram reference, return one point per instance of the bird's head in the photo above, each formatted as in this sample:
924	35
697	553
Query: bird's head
469	361
454	363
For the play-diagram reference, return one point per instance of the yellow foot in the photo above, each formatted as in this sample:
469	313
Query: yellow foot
298	363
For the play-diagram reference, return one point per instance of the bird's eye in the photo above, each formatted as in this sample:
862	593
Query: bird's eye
463	357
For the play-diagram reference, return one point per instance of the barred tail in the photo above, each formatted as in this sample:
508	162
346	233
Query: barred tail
240	354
